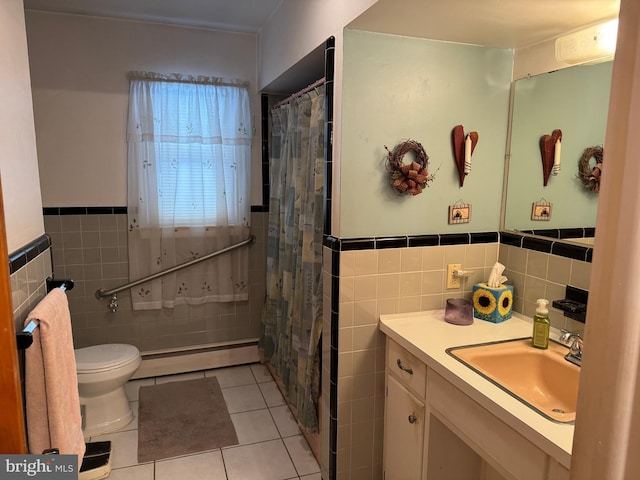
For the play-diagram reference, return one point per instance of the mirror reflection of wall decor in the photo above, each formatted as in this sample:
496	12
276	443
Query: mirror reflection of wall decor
550	146
590	167
412	177
463	147
577	99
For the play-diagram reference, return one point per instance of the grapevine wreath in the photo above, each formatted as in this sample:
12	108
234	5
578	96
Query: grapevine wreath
408	178
590	176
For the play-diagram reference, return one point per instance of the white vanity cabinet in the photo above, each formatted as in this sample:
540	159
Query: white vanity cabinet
417	445
404	432
404	414
434	431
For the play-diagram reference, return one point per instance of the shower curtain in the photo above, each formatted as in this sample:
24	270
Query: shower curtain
292	315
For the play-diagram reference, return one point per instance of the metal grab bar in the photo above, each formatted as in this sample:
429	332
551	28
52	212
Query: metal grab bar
102	293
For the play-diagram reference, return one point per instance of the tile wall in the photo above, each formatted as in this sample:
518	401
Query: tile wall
372	282
369	278
365	278
29	269
543	275
541	267
89	245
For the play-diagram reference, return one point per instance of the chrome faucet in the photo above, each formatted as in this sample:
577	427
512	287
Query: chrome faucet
574	339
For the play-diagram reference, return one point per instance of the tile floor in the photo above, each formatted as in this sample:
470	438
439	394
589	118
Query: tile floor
270	444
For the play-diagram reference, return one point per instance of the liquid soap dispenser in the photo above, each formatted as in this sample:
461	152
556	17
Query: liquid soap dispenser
541	325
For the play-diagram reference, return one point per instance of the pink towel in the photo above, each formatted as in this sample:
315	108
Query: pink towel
51	382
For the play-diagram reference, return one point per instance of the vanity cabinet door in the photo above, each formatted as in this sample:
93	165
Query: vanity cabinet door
404	433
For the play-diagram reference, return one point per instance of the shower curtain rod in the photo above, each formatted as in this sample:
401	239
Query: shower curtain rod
315	84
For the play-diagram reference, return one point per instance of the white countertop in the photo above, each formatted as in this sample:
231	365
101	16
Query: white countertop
426	335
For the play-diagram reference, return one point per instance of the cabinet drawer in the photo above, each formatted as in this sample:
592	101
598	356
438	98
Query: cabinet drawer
407	368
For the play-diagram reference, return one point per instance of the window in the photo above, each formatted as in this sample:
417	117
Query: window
189	153
195	142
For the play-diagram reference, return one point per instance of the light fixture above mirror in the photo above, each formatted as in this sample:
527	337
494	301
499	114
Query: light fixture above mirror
593	44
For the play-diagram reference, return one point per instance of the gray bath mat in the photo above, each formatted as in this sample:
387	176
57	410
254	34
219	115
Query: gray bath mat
180	418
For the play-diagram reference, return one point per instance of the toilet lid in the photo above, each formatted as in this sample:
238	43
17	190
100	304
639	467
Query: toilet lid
104	357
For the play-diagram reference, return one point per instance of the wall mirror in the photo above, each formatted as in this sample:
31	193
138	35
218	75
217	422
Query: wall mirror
574	100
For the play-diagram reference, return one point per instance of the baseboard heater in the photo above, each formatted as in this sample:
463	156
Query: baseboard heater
199	357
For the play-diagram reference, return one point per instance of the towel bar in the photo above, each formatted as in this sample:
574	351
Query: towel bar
61	284
24	339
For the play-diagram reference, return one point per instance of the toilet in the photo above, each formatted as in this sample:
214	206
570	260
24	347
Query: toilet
102	372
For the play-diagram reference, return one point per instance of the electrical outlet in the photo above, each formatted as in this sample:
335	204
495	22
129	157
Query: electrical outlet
453	281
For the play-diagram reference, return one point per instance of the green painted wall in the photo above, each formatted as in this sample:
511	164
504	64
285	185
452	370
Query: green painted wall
576	101
398	88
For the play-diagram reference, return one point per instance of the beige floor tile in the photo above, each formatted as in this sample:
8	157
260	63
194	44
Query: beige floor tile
262	454
255	426
286	423
207	465
124	447
180	377
303	459
134	423
232	376
139	472
261	373
132	387
260	461
271	394
243	399
313	476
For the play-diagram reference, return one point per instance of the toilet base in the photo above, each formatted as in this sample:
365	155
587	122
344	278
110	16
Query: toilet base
106	413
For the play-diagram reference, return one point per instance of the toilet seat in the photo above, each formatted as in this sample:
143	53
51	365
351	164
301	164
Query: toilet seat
103	358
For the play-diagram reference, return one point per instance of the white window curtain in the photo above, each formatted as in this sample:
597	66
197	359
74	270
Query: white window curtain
189	154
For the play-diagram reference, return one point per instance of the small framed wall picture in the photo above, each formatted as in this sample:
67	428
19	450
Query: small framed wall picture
541	211
459	213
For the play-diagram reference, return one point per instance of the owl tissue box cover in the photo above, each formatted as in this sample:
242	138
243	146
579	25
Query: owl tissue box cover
493	304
